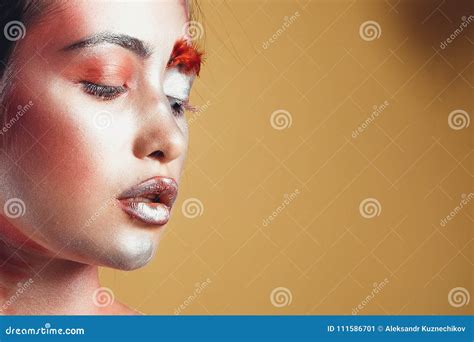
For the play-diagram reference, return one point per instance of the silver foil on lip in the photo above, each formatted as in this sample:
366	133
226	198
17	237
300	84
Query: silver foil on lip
166	189
140	201
151	213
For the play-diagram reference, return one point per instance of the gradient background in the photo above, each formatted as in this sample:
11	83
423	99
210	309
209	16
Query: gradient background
320	248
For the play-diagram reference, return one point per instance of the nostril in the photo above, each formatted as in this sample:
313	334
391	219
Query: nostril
156	155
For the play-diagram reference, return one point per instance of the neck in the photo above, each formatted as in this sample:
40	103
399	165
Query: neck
32	282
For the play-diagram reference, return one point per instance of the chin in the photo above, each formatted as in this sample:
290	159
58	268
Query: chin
131	252
126	252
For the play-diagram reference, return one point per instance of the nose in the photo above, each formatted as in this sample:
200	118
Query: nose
159	136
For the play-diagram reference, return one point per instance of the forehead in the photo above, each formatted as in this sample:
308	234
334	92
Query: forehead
159	23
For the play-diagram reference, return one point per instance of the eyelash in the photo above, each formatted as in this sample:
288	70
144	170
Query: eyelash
178	106
107	93
103	92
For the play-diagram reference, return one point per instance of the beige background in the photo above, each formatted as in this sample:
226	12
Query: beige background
320	248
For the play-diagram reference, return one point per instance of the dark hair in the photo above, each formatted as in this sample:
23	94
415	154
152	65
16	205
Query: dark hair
21	11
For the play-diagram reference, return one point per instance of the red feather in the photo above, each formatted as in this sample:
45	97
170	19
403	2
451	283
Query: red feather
186	57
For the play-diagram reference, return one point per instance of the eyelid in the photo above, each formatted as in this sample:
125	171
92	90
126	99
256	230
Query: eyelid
177	84
104	92
178	107
113	64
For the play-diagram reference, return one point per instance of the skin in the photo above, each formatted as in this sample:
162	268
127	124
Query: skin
67	169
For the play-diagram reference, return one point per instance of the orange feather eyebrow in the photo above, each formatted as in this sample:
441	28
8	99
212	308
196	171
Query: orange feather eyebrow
187	57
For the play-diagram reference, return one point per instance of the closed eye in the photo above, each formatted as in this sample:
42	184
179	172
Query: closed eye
106	92
178	106
102	91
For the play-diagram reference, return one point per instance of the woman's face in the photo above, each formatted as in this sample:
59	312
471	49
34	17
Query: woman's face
98	119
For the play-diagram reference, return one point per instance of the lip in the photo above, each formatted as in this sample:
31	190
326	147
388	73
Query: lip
151	200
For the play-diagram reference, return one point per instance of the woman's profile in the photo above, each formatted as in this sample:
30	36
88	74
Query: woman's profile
93	139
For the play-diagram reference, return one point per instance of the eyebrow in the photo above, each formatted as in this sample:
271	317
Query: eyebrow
186	56
135	45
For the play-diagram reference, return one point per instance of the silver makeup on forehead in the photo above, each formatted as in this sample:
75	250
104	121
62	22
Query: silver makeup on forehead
177	84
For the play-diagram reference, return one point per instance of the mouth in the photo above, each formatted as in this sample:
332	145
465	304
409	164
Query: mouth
150	201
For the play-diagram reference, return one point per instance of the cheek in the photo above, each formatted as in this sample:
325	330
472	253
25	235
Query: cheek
61	153
183	125
181	161
48	161
51	153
